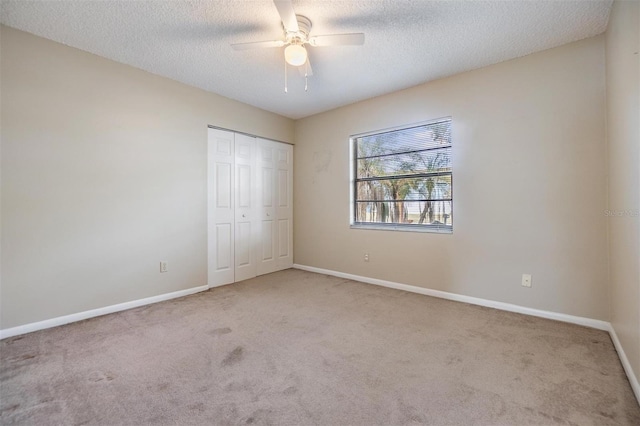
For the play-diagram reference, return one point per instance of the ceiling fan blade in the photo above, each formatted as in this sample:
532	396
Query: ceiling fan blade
287	14
305	69
337	39
257	44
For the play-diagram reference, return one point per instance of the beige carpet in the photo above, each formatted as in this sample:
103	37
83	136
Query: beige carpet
297	348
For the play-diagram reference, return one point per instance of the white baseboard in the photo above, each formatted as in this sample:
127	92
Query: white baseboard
54	322
600	325
588	322
631	375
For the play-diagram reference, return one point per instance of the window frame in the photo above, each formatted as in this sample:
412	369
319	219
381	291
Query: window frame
353	167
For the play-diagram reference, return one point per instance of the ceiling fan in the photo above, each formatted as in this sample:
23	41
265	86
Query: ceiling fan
297	30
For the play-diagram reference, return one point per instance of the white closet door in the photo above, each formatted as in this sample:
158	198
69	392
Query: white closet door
220	216
284	205
250	210
267	196
246	210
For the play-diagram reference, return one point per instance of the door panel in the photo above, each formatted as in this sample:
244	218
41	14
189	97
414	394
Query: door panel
267	192
283	188
224	144
285	206
283	156
224	190
276	200
266	150
243	244
267	187
220	217
267	241
243	177
283	238
246	214
223	253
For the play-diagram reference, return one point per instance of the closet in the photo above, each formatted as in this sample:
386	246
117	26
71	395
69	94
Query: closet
250	212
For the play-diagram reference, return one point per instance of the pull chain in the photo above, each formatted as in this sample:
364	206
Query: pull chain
306	77
285	76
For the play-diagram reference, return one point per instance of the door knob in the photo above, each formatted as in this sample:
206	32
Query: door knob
268	215
243	216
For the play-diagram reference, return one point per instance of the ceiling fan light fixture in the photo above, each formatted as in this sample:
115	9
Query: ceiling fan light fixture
295	55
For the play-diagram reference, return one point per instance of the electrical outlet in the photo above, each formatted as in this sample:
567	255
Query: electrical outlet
366	257
164	267
526	280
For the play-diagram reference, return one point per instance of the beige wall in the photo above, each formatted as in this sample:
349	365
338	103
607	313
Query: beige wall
623	128
529	185
103	176
104	168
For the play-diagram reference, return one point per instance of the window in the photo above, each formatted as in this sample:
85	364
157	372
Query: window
402	178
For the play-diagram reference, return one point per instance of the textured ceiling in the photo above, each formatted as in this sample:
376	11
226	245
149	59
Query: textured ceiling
408	42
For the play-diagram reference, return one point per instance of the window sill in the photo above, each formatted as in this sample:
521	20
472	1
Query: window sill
404	228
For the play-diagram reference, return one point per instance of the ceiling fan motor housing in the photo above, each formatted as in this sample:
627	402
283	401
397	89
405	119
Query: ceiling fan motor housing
302	35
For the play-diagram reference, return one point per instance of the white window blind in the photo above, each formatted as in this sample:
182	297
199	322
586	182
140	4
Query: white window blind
403	178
